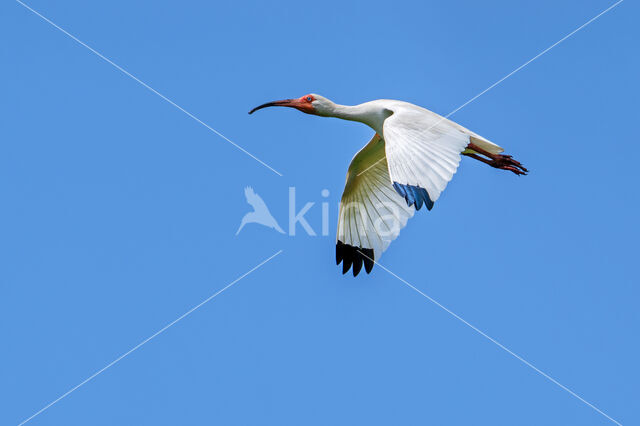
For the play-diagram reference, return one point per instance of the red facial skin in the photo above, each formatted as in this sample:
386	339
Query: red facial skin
304	104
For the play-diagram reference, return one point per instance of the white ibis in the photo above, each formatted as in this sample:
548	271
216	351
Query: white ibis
406	165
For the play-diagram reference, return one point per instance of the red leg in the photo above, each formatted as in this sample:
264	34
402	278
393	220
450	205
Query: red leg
499	161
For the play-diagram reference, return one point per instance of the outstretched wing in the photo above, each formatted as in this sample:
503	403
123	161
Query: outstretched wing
254	199
371	212
423	151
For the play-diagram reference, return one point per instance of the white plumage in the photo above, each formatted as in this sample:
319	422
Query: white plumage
407	164
371	213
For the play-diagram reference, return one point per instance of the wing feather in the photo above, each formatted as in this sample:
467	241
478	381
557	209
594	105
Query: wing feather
371	211
423	149
406	165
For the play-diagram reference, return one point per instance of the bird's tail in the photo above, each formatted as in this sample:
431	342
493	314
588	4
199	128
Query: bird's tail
486	145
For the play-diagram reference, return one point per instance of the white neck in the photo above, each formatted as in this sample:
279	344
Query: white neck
369	113
349	112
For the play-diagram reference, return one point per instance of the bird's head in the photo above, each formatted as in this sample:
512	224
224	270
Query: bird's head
309	104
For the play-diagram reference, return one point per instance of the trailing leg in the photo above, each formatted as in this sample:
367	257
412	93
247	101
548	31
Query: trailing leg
498	161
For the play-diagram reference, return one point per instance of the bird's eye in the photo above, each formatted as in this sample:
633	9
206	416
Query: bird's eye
309	98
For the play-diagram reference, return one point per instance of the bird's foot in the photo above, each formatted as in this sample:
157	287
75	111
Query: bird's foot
506	162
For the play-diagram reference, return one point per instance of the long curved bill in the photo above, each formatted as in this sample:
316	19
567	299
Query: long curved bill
284	103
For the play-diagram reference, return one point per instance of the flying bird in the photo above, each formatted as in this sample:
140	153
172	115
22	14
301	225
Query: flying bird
260	213
406	165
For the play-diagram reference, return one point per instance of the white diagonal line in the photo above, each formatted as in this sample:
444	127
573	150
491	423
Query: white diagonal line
128	74
513	72
534	58
494	341
163	329
374	164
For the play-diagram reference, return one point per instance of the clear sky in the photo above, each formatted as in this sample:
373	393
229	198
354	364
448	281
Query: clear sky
119	214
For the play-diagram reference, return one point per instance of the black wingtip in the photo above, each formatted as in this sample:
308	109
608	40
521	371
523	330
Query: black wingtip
368	262
354	258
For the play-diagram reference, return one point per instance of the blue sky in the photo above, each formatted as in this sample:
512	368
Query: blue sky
120	212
